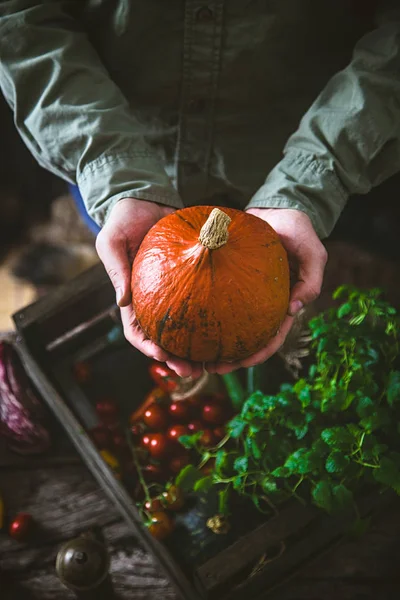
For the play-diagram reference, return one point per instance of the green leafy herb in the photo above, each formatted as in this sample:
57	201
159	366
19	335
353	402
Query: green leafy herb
322	438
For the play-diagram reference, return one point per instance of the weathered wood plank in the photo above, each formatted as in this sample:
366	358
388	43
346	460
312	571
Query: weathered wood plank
69	500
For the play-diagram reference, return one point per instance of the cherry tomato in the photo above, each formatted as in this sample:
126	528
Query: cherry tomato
208	439
159	445
219	433
214	413
82	371
175	432
179	462
21	526
163	376
156	396
145	441
161	525
101	437
195	426
154	505
180	411
156	417
107	410
173	498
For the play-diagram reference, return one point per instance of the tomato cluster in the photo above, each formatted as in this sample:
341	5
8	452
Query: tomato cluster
154	429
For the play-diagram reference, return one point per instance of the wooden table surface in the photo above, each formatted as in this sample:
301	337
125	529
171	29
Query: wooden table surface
65	501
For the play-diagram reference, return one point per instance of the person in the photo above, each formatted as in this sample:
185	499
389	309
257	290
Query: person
150	106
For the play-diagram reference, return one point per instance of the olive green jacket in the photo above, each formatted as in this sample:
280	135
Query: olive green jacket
263	103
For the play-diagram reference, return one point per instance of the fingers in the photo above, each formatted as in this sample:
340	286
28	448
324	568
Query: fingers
113	253
311	267
184	368
137	338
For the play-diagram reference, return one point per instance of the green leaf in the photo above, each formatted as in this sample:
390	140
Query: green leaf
342	497
344	310
237	483
323	496
204	484
336	462
241	464
187	478
223	501
376	421
281	472
338	437
388	473
255	449
302	461
269	485
224	463
365	407
393	388
190	441
236	427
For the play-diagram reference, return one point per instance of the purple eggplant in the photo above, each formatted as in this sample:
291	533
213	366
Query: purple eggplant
21	412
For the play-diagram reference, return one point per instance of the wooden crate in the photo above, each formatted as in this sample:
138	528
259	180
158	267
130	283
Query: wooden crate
75	321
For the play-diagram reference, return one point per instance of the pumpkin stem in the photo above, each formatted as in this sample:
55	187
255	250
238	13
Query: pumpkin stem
214	232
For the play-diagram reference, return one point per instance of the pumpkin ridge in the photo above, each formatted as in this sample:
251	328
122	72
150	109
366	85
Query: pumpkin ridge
161	325
185	221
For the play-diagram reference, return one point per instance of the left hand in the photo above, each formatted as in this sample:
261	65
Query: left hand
308	258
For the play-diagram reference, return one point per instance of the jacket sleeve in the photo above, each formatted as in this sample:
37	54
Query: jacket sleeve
71	115
349	140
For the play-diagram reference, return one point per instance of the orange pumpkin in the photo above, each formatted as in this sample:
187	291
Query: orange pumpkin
210	285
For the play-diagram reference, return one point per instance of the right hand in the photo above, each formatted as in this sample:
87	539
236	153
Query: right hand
117	245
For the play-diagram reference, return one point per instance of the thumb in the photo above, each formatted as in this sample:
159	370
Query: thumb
114	255
311	274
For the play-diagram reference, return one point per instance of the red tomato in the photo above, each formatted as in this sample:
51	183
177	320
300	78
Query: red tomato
180	411
195	426
145	441
163	376
156	417
208	439
101	437
173	498
156	396
175	432
214	413
154	505
219	433
161	525
21	526
107	410
159	445
82	371
179	462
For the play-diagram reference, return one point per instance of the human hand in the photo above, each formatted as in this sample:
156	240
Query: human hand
117	245
307	257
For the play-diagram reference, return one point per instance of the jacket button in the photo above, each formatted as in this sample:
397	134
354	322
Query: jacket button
204	14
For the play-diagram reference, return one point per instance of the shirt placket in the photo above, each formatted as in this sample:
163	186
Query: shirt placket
201	66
